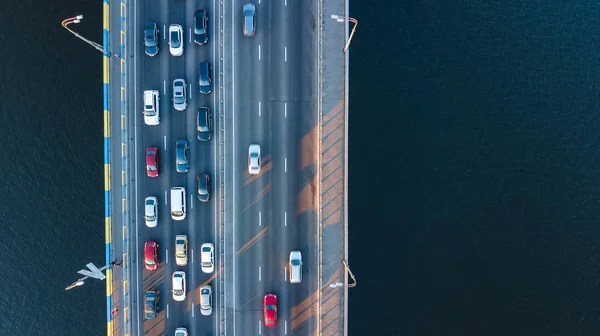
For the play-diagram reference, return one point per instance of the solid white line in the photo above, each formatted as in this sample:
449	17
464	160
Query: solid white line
190	91
285	53
259	327
166	256
193	311
285	109
191	201
135	102
166	198
259	109
192	255
285	323
259	273
285	273
286	2
190	35
164	32
165	142
259	52
167	311
165	87
285	218
285	164
259	219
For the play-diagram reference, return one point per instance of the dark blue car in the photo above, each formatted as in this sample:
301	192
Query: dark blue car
150	304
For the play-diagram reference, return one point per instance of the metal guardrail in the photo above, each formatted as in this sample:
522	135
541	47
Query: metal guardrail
124	175
221	111
319	160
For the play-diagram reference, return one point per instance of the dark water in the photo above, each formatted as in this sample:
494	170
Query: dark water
51	181
474	168
474	179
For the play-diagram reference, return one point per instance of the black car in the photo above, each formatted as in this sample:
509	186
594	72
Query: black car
200	27
204	78
203	187
204	124
151	39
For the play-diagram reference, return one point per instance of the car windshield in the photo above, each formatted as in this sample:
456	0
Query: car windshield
295	262
150	217
177	213
151	167
174	39
253	155
271	307
149	261
177	291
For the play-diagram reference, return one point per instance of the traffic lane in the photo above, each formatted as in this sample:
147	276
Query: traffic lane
302	51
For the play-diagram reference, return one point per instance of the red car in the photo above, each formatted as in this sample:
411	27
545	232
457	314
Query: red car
151	255
270	308
152	161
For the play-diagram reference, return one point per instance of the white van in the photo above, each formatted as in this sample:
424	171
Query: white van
295	267
151	113
178	208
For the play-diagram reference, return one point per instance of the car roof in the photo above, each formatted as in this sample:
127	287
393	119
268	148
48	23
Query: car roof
149	249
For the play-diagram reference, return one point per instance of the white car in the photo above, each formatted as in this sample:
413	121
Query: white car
151	113
179	94
181	247
206	300
254	159
295	267
207	259
150	211
178	290
176	40
181	332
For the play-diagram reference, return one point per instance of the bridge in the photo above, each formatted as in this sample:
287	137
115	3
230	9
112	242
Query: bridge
286	89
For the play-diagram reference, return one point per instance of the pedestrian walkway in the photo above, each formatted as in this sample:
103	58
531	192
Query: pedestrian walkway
332	168
117	287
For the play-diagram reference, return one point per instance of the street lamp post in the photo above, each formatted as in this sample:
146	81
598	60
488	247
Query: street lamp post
94	272
339	18
76	19
339	284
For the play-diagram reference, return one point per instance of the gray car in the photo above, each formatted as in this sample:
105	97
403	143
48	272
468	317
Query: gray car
249	19
182	164
151	39
204	124
179	96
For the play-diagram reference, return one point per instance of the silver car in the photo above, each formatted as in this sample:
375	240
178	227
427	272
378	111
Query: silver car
206	300
249	19
179	96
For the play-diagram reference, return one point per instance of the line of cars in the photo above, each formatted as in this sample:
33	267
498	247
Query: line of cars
151	112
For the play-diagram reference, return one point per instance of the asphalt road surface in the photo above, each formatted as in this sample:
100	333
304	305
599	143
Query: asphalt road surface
270	94
274	105
158	73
